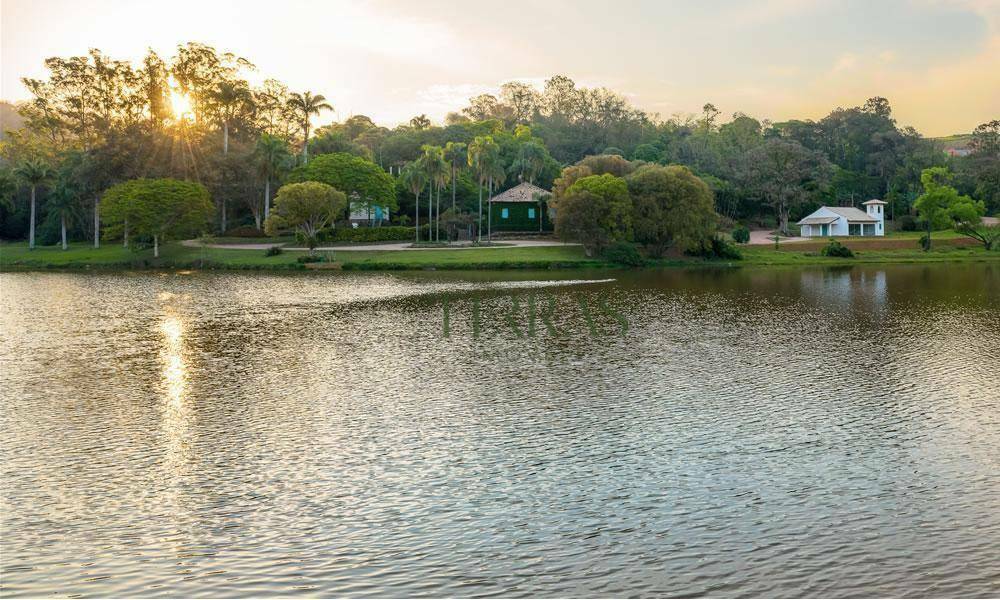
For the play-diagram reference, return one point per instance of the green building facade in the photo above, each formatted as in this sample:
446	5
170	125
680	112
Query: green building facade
521	208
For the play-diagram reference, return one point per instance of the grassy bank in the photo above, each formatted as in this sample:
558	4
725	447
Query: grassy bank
17	257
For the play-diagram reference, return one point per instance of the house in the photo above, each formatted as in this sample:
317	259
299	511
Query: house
521	208
845	220
369	215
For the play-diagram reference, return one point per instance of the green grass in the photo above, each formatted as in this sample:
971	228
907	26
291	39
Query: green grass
16	256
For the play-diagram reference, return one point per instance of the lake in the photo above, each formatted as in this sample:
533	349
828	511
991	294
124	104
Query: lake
744	432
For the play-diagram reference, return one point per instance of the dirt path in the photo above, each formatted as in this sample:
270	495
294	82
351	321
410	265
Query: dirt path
763	237
379	247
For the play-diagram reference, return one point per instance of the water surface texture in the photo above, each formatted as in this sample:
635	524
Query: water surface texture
800	432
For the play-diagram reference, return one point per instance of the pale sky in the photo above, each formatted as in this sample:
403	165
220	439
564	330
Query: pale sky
937	61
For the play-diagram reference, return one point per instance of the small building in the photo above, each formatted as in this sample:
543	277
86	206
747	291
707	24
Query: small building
845	221
521	208
368	215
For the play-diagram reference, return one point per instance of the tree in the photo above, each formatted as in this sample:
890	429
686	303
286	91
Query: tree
484	156
455	153
436	169
229	99
63	201
364	182
307	207
414	178
595	211
786	174
670	206
530	160
304	106
33	173
157	208
420	122
272	157
941	206
984	163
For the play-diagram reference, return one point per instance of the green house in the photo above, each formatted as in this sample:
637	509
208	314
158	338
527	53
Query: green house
521	208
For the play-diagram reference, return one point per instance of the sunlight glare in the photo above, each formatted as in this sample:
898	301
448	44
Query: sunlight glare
181	105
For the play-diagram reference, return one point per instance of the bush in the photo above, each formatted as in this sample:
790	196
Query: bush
309	258
836	249
741	235
925	242
716	247
273	251
624	253
247	231
906	223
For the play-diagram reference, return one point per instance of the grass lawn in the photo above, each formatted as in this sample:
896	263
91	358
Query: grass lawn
16	256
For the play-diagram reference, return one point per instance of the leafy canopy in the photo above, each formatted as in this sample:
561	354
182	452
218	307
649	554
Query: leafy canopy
165	208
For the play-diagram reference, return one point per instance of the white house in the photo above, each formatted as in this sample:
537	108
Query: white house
845	220
368	214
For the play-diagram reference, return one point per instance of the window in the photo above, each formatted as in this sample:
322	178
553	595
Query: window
531	213
853	229
504	213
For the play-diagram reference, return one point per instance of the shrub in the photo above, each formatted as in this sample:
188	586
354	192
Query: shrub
273	251
247	231
716	247
835	248
309	258
741	235
624	253
906	223
925	242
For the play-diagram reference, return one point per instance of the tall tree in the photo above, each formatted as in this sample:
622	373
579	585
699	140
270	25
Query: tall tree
33	173
786	174
229	99
304	106
272	158
436	169
455	153
414	178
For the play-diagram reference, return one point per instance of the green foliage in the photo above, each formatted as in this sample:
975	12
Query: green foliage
624	253
741	235
273	251
716	247
307	207
836	249
309	258
906	223
351	175
370	234
595	211
246	231
159	208
670	206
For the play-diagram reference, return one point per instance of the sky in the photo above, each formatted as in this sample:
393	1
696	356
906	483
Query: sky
937	61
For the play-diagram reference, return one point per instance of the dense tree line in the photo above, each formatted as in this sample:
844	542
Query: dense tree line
96	122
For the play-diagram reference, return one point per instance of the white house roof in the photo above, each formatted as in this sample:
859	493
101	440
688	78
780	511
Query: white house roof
852	214
522	192
873	201
817	220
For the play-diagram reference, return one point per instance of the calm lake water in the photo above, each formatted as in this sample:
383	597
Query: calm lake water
801	432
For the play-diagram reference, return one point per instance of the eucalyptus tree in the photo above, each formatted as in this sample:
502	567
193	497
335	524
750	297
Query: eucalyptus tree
304	106
272	157
455	153
436	169
33	173
414	178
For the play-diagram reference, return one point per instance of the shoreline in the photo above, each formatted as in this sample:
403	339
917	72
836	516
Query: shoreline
179	256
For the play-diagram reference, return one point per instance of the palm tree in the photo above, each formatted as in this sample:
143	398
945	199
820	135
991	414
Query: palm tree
530	161
304	106
272	158
63	200
436	170
478	150
414	178
33	173
493	171
228	99
456	154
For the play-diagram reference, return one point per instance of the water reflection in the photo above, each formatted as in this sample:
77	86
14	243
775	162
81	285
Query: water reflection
246	434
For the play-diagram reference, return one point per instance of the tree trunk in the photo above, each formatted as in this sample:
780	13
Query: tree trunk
97	222
454	184
31	228
305	144
62	224
479	223
489	212
223	216
416	211
267	198
437	224
225	138
125	236
430	211
156	246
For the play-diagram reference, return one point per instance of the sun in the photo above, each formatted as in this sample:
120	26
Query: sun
181	106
